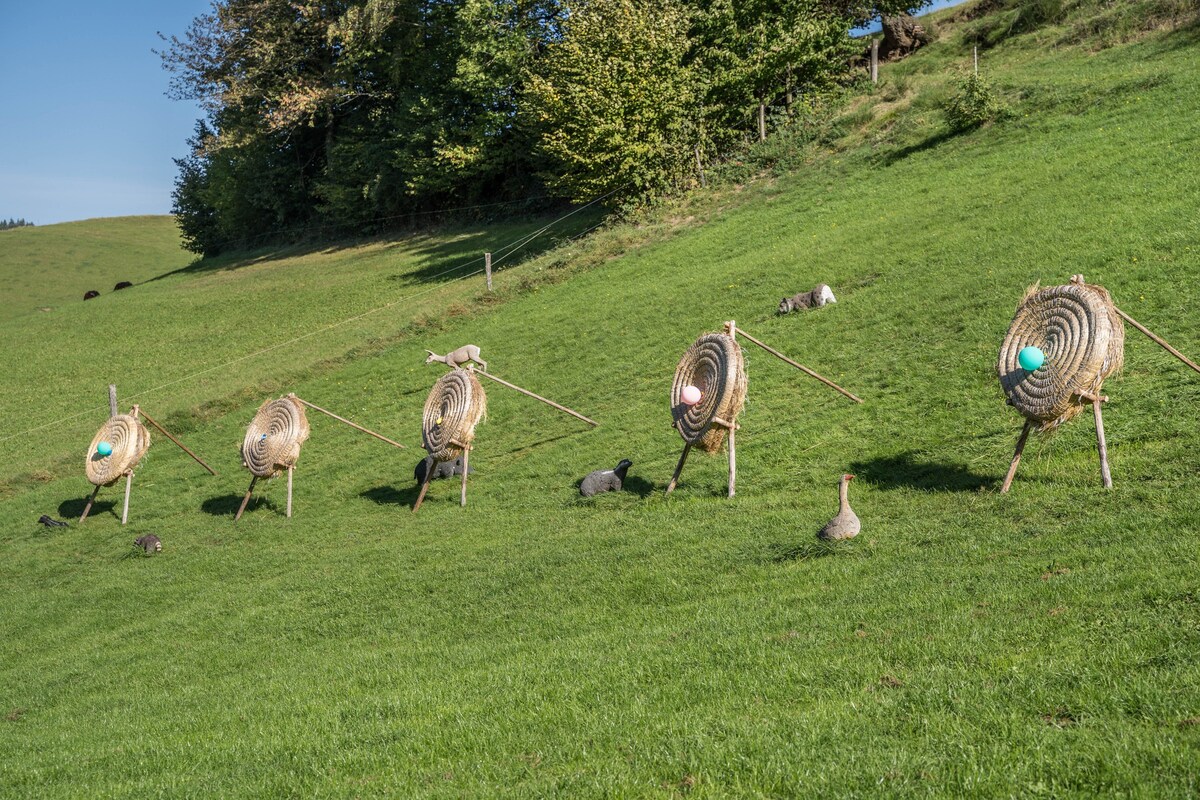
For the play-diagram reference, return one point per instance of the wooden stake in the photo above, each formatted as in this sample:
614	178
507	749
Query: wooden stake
801	367
163	431
87	509
291	468
378	436
762	122
564	409
462	501
1158	340
424	487
245	499
487	268
1012	468
874	61
128	485
112	400
679	467
732	461
1102	446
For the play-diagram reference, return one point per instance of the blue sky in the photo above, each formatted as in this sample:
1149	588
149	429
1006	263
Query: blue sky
86	129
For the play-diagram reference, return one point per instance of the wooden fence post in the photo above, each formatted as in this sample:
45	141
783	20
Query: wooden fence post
487	268
874	61
762	122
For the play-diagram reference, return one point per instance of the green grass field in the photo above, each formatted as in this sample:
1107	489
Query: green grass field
967	643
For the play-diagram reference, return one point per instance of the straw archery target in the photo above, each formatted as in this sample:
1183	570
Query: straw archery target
129	439
714	365
273	440
455	405
1083	338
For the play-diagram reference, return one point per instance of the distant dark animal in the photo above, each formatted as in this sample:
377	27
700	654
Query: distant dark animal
50	522
150	543
605	480
90	295
444	469
122	285
814	299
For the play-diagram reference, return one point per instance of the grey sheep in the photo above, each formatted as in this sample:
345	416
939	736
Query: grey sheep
444	469
814	299
150	543
605	480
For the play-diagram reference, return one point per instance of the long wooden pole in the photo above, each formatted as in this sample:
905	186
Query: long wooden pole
176	441
564	409
87	509
291	468
378	436
732	461
462	501
1012	468
245	499
424	487
1102	446
801	367
128	486
1158	340
679	468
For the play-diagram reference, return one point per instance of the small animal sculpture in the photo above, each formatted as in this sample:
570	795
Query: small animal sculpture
444	469
50	522
150	543
845	525
605	480
90	295
814	299
468	352
122	285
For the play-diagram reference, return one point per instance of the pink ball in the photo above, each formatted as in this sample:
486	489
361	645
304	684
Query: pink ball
691	395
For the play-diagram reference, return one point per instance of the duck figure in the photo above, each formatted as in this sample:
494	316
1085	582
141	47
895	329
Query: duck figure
845	525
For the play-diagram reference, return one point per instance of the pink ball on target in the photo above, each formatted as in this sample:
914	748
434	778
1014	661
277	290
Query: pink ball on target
691	395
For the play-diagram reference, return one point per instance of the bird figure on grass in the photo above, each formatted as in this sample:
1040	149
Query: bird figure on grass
845	525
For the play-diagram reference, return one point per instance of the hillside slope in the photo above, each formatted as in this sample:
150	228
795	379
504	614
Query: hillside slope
534	643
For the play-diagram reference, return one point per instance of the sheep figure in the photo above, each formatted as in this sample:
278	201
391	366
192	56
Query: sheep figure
443	469
150	543
605	480
814	299
468	352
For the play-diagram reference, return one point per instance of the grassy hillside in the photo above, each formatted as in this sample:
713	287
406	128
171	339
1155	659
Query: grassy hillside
534	643
51	266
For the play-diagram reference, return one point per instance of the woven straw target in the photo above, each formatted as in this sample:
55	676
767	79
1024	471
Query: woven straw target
1083	338
273	440
714	365
455	405
129	439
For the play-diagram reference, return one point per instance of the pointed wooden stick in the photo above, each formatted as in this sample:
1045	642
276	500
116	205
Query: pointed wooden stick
424	487
564	409
128	485
380	437
245	499
1102	447
463	496
801	367
1157	339
732	461
87	509
176	441
679	468
1012	468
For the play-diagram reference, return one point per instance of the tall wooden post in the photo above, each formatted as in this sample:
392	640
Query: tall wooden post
487	268
112	400
128	485
762	122
874	61
1102	446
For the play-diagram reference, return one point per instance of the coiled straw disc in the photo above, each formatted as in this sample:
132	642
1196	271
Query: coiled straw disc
273	440
455	405
129	439
1083	338
714	365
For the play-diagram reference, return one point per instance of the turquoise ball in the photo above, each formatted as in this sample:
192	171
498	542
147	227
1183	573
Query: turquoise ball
1031	358
104	449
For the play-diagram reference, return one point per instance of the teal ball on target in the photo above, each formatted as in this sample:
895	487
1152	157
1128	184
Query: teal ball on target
1031	358
104	449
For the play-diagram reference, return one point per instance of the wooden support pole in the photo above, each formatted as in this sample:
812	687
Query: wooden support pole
163	431
1012	468
128	486
291	469
1102	446
245	499
679	468
801	367
732	461
762	122
874	61
462	500
564	409
487	268
357	427
424	487
87	509
112	400
1158	340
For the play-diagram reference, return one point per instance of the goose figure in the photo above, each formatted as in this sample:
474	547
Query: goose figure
845	525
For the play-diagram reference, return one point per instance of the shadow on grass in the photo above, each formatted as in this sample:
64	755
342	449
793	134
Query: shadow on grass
894	156
805	551
227	504
391	496
70	510
904	471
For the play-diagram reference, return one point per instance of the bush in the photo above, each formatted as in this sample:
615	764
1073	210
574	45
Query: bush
974	105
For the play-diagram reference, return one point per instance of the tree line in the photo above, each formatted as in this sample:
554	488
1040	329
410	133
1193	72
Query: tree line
13	223
346	115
